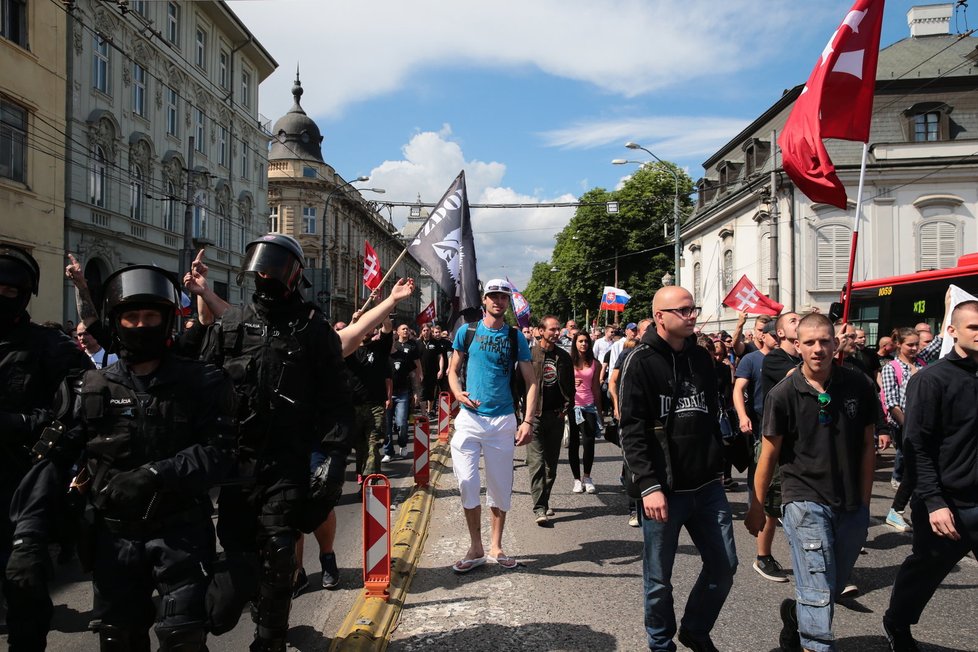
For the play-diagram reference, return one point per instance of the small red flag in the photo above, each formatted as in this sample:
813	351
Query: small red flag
372	274
426	315
837	102
745	297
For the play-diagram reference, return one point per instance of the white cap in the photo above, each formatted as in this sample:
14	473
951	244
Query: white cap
497	285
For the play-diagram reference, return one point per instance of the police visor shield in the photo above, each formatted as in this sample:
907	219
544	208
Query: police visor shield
273	261
140	284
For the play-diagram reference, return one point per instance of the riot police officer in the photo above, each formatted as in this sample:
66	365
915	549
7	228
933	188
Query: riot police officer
156	432
287	366
34	363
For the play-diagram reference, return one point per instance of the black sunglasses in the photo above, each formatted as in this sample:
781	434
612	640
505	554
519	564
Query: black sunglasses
685	312
824	418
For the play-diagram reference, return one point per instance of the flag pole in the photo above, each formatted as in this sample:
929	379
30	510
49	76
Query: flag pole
855	235
390	271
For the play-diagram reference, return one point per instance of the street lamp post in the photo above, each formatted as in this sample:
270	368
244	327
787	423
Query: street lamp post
677	246
327	299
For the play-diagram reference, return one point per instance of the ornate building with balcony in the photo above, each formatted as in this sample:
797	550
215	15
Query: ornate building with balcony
144	79
308	200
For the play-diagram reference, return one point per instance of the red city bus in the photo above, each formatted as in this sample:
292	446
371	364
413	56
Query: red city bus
880	305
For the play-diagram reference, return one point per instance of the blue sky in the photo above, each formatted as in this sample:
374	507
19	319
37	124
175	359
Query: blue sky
534	98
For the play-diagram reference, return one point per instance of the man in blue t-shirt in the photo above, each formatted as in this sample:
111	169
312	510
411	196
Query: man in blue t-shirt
487	425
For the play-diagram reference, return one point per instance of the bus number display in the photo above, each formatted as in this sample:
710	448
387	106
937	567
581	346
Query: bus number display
919	307
886	291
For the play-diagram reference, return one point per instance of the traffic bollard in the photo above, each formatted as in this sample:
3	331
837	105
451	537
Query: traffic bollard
376	536
444	414
421	458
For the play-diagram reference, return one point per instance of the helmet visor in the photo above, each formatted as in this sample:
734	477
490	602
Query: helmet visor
139	285
272	261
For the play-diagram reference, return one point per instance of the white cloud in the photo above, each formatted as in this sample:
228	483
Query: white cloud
667	136
365	50
507	241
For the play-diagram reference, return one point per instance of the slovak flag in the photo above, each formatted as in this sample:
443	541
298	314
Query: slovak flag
372	274
614	299
745	297
837	102
185	310
426	315
521	307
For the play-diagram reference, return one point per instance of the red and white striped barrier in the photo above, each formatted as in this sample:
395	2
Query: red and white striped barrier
455	405
422	471
376	536
444	414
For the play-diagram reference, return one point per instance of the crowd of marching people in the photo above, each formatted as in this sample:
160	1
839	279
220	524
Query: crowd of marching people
115	437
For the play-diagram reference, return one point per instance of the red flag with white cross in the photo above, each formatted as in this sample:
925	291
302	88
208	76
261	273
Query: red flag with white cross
372	273
745	297
427	315
837	102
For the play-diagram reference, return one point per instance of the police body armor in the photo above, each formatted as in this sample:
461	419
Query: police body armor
271	364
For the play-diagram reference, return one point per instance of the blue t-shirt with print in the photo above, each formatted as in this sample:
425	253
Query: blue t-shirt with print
488	367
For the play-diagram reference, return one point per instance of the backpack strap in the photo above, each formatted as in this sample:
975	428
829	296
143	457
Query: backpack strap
469	336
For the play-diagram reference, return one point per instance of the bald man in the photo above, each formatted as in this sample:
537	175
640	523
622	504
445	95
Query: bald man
670	438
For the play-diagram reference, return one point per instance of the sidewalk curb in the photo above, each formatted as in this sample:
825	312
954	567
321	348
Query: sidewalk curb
368	625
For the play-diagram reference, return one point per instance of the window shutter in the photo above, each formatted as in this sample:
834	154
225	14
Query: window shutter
831	256
938	246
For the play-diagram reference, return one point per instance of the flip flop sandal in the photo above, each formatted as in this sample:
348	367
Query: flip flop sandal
505	561
466	565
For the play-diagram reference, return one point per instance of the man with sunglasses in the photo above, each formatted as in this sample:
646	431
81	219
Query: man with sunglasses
819	424
670	437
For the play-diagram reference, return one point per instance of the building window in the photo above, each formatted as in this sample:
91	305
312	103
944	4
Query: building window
222	232
308	219
308	172
100	65
13	141
96	177
926	127
223	61
169	207
245	160
832	256
200	48
222	144
728	270
136	187
199	131
139	6
200	215
937	245
172	113
13	21
245	88
138	90
173	23
697	283
273	223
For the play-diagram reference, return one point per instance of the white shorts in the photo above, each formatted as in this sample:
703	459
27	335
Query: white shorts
495	438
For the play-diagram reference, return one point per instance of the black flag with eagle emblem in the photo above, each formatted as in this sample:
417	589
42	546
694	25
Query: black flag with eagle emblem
444	247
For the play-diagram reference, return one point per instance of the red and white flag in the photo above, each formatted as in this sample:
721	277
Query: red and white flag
372	273
427	315
837	102
745	297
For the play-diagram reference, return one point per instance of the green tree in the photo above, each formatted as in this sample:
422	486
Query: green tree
595	245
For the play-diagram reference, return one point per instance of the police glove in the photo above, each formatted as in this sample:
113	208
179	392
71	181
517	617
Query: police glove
15	425
132	489
29	566
327	478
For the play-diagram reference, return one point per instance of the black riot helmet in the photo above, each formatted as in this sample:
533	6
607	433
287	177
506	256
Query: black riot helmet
19	269
276	257
136	288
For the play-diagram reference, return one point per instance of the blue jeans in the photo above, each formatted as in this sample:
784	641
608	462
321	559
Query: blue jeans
825	544
706	515
397	417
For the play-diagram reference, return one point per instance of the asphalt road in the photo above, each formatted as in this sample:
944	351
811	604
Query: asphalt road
579	586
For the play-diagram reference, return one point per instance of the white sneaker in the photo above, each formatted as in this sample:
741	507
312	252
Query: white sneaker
404	451
578	487
385	458
589	486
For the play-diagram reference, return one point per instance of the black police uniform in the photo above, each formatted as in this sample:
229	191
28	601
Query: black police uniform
153	447
286	363
35	363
